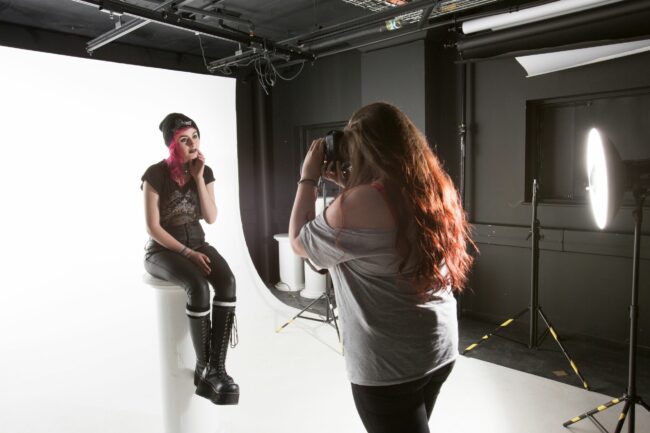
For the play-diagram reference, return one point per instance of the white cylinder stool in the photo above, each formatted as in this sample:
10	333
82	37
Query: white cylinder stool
292	277
315	283
183	412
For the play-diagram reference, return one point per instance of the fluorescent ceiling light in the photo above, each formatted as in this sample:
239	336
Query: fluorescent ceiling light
532	14
538	64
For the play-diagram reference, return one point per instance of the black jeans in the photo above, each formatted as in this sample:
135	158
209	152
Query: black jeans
401	408
172	266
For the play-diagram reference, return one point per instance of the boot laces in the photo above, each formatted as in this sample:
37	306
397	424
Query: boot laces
234	335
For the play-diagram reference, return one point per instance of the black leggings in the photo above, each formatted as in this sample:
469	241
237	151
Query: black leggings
401	408
172	266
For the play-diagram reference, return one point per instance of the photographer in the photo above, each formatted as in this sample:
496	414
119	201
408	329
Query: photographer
395	243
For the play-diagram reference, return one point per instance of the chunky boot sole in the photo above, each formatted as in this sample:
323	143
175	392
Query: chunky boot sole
206	391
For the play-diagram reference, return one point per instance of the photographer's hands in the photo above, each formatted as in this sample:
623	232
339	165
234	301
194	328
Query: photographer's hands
315	165
333	172
312	165
304	204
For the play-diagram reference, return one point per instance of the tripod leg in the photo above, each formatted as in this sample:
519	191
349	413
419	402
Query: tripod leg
564	352
598	424
494	331
592	412
288	322
330	309
621	417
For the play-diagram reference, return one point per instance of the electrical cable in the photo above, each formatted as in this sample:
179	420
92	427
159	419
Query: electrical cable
205	62
302	65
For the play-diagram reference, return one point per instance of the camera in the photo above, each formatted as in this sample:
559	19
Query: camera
336	150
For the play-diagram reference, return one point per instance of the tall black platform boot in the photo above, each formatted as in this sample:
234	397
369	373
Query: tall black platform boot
200	334
215	384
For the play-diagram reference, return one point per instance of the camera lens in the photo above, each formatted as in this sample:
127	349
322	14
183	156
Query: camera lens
334	146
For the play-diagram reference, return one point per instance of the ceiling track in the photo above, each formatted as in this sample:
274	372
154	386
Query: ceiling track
384	25
170	18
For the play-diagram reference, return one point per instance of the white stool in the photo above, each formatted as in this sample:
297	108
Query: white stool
292	277
183	412
315	283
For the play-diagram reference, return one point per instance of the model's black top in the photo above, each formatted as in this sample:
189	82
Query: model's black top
178	205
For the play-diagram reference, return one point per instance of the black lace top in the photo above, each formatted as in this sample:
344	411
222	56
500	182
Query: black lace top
177	205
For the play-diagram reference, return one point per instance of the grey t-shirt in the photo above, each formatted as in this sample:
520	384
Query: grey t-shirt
389	337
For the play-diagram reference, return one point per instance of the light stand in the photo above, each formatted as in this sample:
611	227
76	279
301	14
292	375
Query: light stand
616	177
534	308
330	316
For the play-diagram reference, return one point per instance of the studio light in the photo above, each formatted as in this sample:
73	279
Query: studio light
609	178
604	197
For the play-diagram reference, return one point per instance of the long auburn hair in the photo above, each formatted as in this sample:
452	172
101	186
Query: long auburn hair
384	144
175	159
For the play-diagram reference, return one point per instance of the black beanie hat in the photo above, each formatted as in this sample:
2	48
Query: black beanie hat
172	123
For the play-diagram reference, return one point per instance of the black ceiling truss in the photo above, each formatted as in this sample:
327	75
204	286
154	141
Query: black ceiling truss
173	13
249	48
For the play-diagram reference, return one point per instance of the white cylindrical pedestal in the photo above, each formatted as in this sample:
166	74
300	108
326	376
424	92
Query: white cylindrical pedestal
321	205
315	283
292	277
183	412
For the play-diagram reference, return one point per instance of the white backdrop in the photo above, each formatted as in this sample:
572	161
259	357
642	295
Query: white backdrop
77	327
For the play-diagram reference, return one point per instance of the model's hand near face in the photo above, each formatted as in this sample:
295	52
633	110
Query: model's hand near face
197	165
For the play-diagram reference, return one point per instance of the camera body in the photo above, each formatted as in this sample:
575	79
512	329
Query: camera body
336	150
334	147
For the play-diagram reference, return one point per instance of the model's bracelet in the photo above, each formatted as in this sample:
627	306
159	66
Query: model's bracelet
182	251
308	180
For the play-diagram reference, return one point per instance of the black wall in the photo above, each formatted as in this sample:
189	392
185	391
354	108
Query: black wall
326	93
585	275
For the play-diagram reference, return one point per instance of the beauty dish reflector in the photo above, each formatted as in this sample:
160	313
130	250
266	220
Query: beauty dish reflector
605	172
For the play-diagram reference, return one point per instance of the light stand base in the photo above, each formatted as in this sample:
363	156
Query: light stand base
628	402
534	340
330	317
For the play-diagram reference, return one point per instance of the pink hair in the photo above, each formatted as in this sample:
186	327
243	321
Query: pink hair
175	159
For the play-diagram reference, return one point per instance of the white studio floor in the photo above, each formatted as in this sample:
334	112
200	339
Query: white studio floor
478	397
105	379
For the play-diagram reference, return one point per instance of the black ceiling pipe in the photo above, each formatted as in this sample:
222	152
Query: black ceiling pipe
619	21
178	21
362	21
372	30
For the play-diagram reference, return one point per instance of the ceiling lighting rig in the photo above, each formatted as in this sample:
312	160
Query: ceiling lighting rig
388	19
176	13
